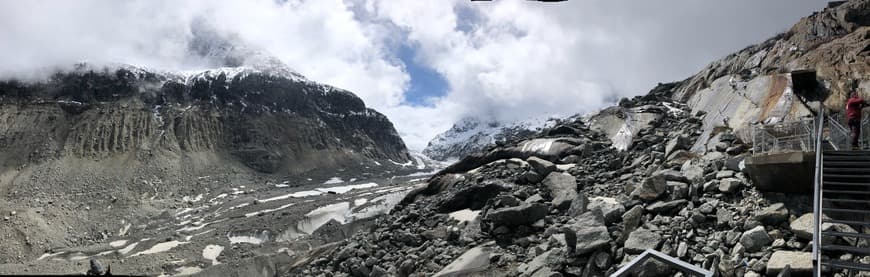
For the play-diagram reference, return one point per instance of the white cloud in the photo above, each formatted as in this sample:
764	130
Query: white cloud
511	59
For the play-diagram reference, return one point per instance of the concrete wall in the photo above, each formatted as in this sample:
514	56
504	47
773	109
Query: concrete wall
789	172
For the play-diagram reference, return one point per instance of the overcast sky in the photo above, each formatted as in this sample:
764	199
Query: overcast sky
425	64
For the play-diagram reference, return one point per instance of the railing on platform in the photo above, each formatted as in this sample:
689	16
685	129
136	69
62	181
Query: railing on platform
780	137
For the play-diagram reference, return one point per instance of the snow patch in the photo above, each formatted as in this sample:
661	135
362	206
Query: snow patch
465	215
268	210
118	243
211	252
160	247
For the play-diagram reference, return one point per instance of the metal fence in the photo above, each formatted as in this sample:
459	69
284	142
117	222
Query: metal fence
790	136
800	135
839	135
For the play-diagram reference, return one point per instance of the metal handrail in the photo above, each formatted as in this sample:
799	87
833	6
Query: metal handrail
682	266
817	195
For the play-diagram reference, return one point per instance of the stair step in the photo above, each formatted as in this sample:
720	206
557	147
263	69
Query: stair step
847	153
844	234
840	200
845	158
847	176
846	210
837	264
846	170
845	191
847	249
846	164
847	222
859	184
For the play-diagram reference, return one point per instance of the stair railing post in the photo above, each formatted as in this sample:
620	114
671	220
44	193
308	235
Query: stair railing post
817	195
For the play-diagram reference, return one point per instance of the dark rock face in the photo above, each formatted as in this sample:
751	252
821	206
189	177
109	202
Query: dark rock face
271	123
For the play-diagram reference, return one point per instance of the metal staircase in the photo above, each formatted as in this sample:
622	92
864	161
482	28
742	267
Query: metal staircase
841	205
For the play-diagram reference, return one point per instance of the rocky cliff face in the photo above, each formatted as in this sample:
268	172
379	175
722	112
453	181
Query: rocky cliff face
754	84
271	123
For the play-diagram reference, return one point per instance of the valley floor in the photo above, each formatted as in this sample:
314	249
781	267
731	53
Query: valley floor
225	231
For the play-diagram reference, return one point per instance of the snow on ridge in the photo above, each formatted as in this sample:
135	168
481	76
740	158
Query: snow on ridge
472	134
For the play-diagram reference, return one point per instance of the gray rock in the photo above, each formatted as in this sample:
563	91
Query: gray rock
407	267
682	249
711	186
773	215
436	233
542	261
578	205
588	233
802	227
535	198
651	188
661	206
631	220
609	207
378	271
541	166
472	261
524	214
96	268
735	150
672	175
692	172
640	240
755	238
531	177
677	143
707	208
723	217
677	190
724	174
563	188
729	185
546	272
801	263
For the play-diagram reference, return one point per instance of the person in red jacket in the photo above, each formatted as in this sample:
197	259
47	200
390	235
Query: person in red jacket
853	115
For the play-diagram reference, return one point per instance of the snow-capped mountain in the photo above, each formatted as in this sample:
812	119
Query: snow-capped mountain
473	134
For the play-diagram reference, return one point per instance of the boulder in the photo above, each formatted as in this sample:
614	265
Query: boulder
662	206
578	205
609	207
472	261
524	214
724	174
773	214
631	220
651	188
802	227
588	233
801	263
755	238
723	217
541	166
692	172
472	197
562	187
677	143
677	190
541	263
640	240
729	185
735	150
